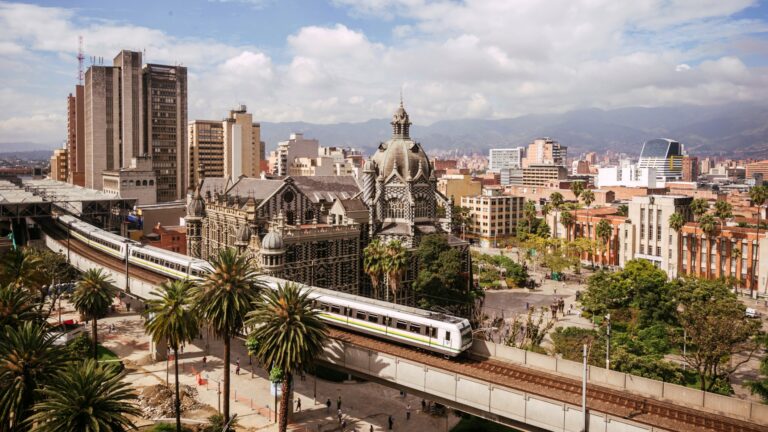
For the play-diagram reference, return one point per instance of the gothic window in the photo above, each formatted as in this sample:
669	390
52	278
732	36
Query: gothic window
395	208
290	216
309	215
322	249
288	196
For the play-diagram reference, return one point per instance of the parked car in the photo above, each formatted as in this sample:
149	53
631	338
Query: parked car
752	313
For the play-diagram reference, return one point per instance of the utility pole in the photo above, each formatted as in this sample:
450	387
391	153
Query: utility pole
608	343
584	391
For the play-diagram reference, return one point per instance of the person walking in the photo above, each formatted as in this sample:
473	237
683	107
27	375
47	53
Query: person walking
339	414
408	412
370	428
391	422
338	403
328	406
298	404
205	360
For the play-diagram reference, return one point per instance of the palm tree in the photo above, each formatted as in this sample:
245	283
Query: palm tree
566	218
589	197
529	213
92	298
708	226
604	230
758	195
373	264
172	321
395	263
677	222
86	397
28	360
227	293
577	188
624	210
723	211
21	267
699	206
291	336
16	306
556	201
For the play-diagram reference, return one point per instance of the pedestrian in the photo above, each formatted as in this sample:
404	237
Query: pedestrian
570	308
298	404
339	414
237	369
370	429
303	376
328	406
205	360
408	412
128	307
338	403
423	405
391	422
343	425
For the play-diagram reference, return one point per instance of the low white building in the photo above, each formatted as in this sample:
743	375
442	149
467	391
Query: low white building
627	175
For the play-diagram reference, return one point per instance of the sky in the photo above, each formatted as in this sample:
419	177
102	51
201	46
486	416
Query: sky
328	61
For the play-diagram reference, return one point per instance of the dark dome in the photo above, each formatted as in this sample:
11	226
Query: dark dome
401	153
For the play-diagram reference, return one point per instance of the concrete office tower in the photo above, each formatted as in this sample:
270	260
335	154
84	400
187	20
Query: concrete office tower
506	158
102	134
242	145
665	155
545	151
76	136
129	114
59	165
165	127
206	149
295	147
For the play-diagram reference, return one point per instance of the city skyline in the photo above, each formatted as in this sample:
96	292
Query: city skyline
343	60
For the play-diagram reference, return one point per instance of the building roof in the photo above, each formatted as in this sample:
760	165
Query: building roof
327	188
215	184
353	205
259	189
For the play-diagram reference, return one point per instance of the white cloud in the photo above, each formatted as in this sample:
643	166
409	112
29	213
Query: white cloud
455	59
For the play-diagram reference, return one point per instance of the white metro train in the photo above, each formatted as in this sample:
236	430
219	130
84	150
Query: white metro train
436	332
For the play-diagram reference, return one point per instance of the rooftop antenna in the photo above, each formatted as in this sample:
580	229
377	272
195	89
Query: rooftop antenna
80	58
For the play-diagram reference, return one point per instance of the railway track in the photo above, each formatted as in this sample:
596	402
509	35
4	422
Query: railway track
652	412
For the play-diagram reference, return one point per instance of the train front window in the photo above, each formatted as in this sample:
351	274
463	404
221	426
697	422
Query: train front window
447	336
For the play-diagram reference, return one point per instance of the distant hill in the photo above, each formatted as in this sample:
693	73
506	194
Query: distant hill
735	130
26	155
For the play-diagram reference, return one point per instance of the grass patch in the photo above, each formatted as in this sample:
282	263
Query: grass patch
474	424
105	354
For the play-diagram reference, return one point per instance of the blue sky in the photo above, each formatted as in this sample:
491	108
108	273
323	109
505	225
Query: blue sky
346	60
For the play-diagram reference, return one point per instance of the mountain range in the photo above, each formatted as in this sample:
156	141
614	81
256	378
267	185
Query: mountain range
738	130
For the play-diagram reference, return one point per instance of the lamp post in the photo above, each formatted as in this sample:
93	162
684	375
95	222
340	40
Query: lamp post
127	256
608	343
584	391
69	229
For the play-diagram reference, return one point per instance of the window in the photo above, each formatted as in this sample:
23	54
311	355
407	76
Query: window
336	309
373	318
360	315
402	325
433	332
414	328
447	336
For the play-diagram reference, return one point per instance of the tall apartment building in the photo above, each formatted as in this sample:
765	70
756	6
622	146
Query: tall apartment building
243	149
759	168
132	111
165	114
545	151
499	159
690	168
76	136
206	149
665	155
295	147
59	165
493	217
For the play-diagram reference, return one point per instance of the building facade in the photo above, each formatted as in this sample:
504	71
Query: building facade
545	151
137	181
458	186
543	174
757	169
165	114
295	147
76	136
499	159
493	217
206	149
243	149
665	156
60	165
690	169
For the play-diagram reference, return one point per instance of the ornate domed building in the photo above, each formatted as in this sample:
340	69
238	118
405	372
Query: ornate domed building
400	188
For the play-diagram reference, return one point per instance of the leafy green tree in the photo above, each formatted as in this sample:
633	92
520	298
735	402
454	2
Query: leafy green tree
529	213
172	320
92	297
290	334
16	306
760	386
623	210
717	331
569	342
373	264
225	295
460	218
86	397
699	207
676	223
395	263
28	360
21	267
556	201
708	224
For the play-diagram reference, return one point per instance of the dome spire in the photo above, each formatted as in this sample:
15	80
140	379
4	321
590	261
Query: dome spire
400	121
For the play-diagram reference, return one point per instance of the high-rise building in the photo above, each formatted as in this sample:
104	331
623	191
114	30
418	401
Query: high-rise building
545	151
757	169
76	136
499	159
243	149
206	149
59	165
102	134
492	217
129	112
165	127
296	147
665	155
690	169
543	174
